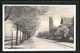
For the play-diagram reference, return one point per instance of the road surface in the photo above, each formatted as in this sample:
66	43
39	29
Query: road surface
39	43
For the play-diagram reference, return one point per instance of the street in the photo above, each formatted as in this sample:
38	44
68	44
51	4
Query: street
39	43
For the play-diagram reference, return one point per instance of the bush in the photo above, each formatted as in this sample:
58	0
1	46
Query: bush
45	34
59	34
64	33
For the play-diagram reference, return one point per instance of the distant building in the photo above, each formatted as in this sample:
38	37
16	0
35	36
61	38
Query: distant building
65	21
51	26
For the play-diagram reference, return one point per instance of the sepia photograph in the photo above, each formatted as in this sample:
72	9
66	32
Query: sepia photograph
39	27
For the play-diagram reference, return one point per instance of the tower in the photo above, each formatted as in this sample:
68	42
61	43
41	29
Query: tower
50	24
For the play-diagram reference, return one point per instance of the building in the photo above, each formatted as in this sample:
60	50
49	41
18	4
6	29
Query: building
65	21
50	24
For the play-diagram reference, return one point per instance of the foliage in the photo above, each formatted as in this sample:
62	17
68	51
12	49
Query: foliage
24	18
62	33
45	35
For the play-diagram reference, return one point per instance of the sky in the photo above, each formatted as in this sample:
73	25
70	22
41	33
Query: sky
55	11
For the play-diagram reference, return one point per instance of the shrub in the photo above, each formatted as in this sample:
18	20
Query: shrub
45	34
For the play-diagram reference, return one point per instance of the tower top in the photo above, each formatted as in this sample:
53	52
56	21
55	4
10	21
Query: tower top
50	17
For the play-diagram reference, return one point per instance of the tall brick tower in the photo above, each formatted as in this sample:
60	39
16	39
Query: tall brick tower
50	24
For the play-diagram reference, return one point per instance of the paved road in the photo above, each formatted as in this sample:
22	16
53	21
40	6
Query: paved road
38	43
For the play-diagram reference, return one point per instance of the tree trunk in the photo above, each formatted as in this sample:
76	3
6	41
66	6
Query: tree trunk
20	36
17	35
23	37
12	38
26	37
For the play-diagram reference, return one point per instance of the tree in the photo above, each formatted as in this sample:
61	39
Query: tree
7	12
25	18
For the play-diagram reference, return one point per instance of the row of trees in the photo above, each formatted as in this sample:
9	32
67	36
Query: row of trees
25	19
